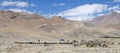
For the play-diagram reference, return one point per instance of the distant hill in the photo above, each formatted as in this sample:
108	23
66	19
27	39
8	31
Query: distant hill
111	20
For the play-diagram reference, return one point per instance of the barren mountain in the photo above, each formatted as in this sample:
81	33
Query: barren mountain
26	25
111	20
106	25
35	25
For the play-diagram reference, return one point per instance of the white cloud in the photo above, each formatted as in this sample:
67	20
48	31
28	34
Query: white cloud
33	5
6	3
59	4
116	1
49	15
16	3
83	12
100	15
21	4
81	17
117	11
114	8
21	10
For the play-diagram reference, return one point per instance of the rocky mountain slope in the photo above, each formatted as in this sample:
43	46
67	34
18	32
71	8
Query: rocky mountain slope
35	25
111	20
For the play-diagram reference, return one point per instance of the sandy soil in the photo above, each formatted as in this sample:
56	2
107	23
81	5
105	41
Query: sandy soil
7	45
15	48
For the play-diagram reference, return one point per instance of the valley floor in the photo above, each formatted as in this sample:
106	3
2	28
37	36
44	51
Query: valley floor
7	45
14	48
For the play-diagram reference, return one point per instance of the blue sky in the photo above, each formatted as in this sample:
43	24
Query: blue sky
70	9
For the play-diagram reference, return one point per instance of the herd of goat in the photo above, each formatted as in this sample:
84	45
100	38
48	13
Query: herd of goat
75	43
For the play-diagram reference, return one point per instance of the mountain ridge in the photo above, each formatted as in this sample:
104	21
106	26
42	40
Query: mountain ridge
54	27
111	20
